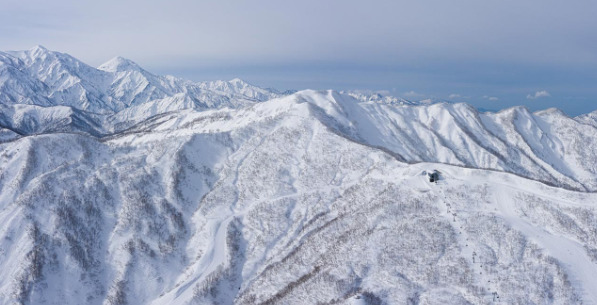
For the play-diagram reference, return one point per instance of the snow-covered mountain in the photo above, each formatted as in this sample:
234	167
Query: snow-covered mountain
376	97
118	186
47	78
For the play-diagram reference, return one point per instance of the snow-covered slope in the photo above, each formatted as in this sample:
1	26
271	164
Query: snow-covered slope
546	146
375	97
17	86
42	77
208	194
589	118
32	119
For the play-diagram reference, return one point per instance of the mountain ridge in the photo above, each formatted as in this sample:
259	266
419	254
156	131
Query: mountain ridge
225	193
107	90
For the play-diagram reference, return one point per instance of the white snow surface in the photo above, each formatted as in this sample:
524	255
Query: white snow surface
47	78
118	186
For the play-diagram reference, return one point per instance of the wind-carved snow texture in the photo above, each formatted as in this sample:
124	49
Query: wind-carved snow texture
126	194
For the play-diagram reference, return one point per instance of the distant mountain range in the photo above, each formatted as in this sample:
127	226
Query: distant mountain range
114	96
118	186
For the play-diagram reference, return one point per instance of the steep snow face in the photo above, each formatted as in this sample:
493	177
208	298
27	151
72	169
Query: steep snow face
30	119
42	77
118	186
17	87
119	64
547	146
134	86
280	202
70	82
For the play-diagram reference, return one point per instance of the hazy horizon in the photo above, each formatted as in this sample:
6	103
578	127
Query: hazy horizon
492	55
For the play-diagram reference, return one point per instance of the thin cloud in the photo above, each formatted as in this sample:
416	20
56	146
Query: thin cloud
491	98
538	94
413	94
454	96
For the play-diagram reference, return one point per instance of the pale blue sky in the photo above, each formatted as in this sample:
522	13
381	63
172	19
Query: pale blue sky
492	54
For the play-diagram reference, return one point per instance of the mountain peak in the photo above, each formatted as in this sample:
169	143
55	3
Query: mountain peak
38	48
33	53
118	64
237	81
